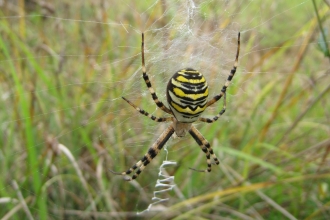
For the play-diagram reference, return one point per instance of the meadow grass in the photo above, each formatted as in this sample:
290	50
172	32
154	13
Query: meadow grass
64	124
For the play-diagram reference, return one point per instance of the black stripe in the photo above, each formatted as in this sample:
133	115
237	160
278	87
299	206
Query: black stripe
198	86
148	84
188	106
188	76
195	137
187	99
193	103
187	91
165	139
190	117
189	69
191	85
233	70
152	153
154	96
224	88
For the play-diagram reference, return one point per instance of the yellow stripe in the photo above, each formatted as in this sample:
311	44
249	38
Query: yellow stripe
180	93
192	81
178	100
187	110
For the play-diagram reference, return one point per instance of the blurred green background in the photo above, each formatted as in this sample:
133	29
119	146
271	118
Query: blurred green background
64	66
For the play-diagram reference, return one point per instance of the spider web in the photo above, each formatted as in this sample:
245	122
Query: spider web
181	42
85	128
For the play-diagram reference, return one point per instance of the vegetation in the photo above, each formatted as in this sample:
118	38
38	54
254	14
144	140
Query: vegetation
64	66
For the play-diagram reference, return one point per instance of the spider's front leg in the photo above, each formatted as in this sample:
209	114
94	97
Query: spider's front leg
224	88
148	83
151	154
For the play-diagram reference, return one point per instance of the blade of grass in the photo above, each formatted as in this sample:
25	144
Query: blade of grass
31	57
252	159
9	215
327	52
288	81
69	155
302	114
240	189
319	211
28	134
22	201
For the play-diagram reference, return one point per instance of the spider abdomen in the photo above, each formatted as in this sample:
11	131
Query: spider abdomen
187	93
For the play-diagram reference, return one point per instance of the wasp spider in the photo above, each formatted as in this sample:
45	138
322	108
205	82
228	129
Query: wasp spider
187	93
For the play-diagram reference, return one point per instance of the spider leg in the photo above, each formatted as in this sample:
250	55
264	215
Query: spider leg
146	159
206	148
215	118
147	81
143	112
230	77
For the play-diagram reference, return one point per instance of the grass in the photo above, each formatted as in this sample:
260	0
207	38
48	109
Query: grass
65	66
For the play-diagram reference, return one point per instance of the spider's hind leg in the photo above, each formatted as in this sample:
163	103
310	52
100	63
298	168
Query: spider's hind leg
141	164
206	148
151	154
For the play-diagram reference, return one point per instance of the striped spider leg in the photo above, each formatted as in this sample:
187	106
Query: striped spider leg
148	83
151	154
206	148
224	88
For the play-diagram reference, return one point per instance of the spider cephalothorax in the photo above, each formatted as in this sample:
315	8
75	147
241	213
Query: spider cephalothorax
187	93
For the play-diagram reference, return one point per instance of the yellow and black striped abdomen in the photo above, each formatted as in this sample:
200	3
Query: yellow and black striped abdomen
187	93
